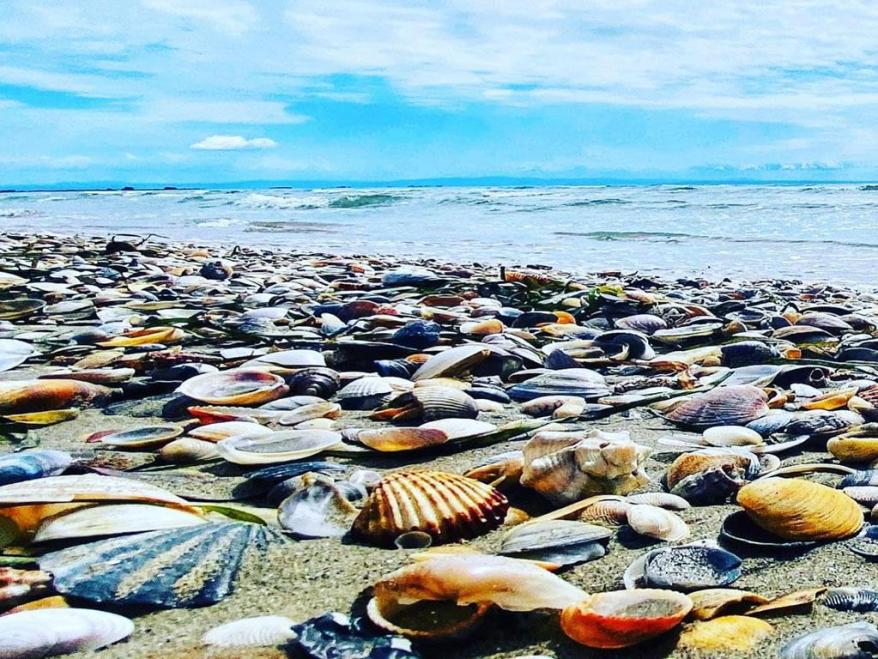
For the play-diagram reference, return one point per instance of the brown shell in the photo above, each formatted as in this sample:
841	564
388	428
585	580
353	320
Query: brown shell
446	506
735	405
796	509
688	464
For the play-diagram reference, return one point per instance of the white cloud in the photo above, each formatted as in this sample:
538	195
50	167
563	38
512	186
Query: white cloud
233	143
227	16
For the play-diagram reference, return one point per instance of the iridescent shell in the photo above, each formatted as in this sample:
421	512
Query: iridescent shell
833	642
736	405
580	382
447	506
283	446
28	465
235	387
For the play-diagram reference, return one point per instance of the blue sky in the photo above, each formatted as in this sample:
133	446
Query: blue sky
168	91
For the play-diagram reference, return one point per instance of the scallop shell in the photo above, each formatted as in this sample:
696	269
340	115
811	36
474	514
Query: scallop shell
176	568
560	542
736	405
114	519
284	446
620	619
796	509
447	506
851	641
235	387
658	523
365	393
725	634
28	465
47	632
568	466
712	602
256	632
431	403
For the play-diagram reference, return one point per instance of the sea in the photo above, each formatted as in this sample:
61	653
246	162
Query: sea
820	233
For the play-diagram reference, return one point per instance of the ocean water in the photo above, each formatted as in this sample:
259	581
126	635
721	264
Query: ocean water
810	232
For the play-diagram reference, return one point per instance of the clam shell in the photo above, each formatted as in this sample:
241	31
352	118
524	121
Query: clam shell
646	323
263	480
796	509
447	506
853	449
581	382
690	567
736	405
20	308
28	465
661	499
725	634
23	396
139	438
284	446
393	440
620	619
610	512
451	362
731	436
215	432
740	528
560	542
113	519
235	387
851	641
187	450
13	353
712	602
176	568
48	632
318	508
259	631
289	359
658	523
87	487
459	428
310	412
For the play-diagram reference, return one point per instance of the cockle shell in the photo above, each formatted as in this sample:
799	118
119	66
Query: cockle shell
234	387
48	632
582	382
23	396
568	466
429	404
283	446
725	634
447	506
796	509
658	523
619	619
259	631
860	600
736	405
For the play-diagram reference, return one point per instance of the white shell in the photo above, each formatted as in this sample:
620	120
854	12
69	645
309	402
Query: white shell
259	631
13	353
658	523
456	428
215	432
283	446
114	519
47	632
731	436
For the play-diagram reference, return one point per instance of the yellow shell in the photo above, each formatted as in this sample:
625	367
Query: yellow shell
728	634
796	509
853	449
446	506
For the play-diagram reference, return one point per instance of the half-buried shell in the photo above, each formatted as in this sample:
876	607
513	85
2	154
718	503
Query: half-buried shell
259	631
725	634
446	506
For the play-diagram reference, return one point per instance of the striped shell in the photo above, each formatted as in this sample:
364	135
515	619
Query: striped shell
48	632
446	506
364	393
796	509
581	382
28	465
260	631
724	406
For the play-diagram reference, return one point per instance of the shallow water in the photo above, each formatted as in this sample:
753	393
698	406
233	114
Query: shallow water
812	232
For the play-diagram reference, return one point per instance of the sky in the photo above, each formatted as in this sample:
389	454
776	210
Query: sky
175	92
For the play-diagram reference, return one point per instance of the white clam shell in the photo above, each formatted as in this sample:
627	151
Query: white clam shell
47	632
283	446
658	523
114	519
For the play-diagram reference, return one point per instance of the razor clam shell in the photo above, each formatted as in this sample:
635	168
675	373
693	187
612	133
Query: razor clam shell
857	599
852	641
28	465
258	631
561	542
114	519
176	568
283	446
47	632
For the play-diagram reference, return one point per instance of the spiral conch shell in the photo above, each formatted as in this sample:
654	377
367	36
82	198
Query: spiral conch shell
796	509
569	466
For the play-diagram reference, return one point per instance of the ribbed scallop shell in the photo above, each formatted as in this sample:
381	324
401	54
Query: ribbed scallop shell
48	632
364	393
852	599
235	387
796	509
581	382
446	506
445	403
724	406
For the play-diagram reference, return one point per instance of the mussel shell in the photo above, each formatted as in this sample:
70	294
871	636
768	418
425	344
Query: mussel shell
332	636
28	465
745	353
865	544
560	542
861	600
691	567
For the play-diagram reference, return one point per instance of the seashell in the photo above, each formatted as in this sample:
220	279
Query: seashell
429	404
105	376
113	519
14	353
725	634
865	495
87	487
447	506
559	542
310	412
390	440
861	600
644	322
235	387
39	419
24	396
660	499
146	336
857	445
740	528
452	362
547	405
633	344
284	446
28	465
365	393
688	334
796	509
18	586
263	480
482	327
712	602
865	544
318	508
736	405
581	382
731	436
498	470
658	523
288	359
620	619
610	512
418	334
685	567
187	450
459	428
20	308
322	382
215	432
332	635
737	464
256	632
856	640
175	568
139	438
48	632
567	466
413	540
746	353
